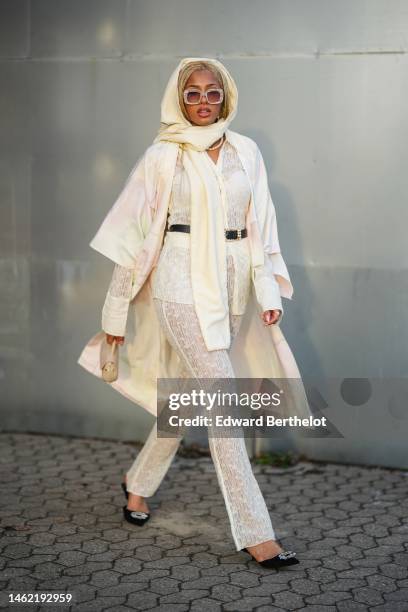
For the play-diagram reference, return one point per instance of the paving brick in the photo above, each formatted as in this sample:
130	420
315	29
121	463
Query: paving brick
185	572
305	587
246	603
104	578
399	595
328	598
205	605
98	604
318	608
164	585
86	569
244	579
70	558
382	583
166	562
119	609
205	582
343	584
184	596
145	575
395	606
288	600
178	607
394	571
368	596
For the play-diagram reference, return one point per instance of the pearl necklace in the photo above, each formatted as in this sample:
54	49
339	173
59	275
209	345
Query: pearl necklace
218	145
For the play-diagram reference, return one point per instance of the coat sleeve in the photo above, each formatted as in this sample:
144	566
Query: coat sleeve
272	280
120	238
126	225
116	306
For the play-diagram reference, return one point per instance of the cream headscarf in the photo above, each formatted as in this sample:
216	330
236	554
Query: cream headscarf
208	248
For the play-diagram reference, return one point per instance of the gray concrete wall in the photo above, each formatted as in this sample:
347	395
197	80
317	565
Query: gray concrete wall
323	88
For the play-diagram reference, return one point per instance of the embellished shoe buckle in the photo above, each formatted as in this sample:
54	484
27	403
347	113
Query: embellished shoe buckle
287	554
138	514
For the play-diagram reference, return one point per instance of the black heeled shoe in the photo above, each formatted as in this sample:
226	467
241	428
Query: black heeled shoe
135	517
282	559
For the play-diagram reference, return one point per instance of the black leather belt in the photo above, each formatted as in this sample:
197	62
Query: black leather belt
229	234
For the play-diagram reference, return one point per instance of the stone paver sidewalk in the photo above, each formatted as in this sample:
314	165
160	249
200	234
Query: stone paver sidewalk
62	531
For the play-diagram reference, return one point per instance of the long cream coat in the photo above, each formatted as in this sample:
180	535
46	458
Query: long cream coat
132	234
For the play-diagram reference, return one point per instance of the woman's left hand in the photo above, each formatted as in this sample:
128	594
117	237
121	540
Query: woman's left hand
271	316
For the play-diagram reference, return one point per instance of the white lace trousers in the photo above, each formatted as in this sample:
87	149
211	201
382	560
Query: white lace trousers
247	511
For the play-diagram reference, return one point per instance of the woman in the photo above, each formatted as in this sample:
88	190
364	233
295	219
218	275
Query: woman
221	240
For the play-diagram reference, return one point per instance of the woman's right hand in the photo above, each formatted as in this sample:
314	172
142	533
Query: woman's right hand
119	339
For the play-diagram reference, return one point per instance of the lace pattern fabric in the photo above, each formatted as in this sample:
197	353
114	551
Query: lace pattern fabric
116	305
182	328
246	508
121	282
237	188
171	278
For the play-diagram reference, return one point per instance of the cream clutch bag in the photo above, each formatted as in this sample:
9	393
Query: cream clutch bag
109	361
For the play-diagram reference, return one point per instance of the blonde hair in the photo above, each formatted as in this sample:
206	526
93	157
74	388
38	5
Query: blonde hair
185	74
